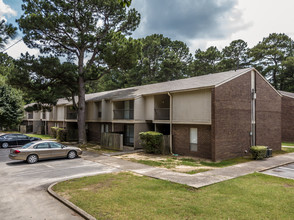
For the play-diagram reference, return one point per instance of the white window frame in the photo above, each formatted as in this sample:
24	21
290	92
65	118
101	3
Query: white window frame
194	139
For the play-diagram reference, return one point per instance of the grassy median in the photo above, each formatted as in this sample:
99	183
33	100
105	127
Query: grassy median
127	196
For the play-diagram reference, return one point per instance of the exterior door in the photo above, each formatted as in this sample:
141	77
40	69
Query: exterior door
129	135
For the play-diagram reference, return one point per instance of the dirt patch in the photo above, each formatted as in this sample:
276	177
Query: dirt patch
177	164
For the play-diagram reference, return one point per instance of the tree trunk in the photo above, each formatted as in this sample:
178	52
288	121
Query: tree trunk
81	112
82	103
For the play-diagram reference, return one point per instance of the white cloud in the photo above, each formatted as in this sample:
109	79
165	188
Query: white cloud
16	50
6	10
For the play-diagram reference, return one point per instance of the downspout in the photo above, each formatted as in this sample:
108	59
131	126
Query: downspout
253	109
170	123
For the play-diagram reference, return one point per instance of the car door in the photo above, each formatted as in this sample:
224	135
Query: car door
22	139
43	150
11	139
57	150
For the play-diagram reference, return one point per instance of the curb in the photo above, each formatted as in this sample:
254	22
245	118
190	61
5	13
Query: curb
69	204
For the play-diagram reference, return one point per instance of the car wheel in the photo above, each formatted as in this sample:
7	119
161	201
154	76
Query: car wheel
32	158
5	145
71	155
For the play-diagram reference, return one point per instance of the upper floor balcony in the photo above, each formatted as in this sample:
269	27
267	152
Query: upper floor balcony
161	107
71	113
123	110
30	115
161	113
126	114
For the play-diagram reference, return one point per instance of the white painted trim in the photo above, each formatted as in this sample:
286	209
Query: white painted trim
289	96
192	123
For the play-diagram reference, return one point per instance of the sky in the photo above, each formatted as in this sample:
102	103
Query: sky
198	23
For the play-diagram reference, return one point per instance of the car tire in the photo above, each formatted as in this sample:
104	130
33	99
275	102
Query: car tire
72	154
33	158
4	145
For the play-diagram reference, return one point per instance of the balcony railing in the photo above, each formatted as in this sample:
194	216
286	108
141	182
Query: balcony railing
123	114
71	116
161	113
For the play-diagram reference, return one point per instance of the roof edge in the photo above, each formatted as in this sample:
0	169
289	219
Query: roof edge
234	77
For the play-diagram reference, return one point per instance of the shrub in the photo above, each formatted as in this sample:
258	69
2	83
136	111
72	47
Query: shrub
54	131
258	152
61	134
152	141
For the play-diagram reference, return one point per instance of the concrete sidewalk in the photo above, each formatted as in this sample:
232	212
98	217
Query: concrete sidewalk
196	180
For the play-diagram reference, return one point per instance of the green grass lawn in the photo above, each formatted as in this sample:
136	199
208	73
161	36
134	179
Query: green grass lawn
42	136
127	196
287	144
95	148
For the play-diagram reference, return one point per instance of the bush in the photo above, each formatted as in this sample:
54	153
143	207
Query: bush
258	152
54	131
61	134
152	141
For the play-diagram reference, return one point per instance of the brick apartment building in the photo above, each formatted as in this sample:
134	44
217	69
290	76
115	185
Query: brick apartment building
216	116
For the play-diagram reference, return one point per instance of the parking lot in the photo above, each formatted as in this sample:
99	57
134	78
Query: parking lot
286	171
24	186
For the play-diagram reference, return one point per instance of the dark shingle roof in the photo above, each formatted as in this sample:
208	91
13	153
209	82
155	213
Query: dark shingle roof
198	82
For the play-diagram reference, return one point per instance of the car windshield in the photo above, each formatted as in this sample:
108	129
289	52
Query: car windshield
26	145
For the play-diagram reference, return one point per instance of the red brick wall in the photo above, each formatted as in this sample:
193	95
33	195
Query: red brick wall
287	119
231	118
268	115
118	128
181	140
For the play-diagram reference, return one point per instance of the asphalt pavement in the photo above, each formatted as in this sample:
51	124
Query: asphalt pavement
23	192
286	171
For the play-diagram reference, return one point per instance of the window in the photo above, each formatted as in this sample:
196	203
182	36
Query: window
55	145
104	128
42	146
22	137
193	139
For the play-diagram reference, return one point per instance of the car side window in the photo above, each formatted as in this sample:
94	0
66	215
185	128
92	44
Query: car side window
42	146
22	137
55	145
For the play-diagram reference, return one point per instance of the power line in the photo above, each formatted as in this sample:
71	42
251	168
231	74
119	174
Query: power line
12	45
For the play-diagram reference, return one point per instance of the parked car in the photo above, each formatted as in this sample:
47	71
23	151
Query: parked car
7	140
34	151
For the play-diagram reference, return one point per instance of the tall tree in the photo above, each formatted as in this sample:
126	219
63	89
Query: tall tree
160	59
11	110
269	54
235	56
44	79
287	81
206	61
7	31
81	31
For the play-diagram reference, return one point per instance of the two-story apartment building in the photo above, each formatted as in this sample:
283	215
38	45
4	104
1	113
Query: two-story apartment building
215	116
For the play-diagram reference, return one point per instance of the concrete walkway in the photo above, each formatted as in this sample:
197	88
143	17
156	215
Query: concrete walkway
196	180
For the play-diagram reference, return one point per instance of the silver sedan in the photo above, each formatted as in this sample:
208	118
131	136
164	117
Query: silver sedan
34	151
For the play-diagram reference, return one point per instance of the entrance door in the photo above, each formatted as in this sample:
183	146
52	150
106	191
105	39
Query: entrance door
129	135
